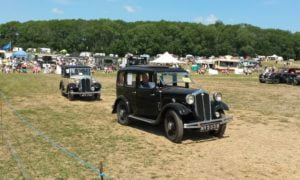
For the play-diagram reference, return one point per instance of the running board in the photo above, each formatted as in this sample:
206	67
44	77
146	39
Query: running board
150	121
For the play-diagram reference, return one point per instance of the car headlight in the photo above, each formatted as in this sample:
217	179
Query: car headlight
77	81
217	97
93	88
94	81
190	99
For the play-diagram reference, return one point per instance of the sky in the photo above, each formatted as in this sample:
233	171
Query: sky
278	14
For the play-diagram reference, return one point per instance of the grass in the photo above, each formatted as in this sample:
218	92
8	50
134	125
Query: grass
88	128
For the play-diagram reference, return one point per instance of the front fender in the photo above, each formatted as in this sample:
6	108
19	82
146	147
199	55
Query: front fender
97	86
180	109
120	98
220	106
71	86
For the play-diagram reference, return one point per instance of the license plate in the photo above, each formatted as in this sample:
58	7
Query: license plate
209	127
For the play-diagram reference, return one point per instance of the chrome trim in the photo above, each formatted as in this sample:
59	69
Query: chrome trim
210	107
196	125
204	112
94	92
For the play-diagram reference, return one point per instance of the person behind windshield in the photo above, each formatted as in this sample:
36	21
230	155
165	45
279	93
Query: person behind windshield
145	83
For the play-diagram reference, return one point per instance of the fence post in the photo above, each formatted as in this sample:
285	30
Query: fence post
101	169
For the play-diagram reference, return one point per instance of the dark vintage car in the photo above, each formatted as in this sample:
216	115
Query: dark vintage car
162	95
283	75
78	81
294	76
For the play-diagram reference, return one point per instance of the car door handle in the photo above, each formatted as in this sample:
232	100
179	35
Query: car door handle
134	92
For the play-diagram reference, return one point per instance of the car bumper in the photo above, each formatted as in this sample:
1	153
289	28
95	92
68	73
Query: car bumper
197	125
85	93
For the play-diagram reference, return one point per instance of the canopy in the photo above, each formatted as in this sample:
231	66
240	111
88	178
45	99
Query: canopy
166	58
20	54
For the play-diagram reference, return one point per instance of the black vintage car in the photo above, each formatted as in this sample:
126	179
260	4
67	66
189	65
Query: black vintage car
283	75
294	76
162	95
77	80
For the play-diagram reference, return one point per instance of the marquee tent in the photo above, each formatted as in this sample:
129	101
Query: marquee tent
166	58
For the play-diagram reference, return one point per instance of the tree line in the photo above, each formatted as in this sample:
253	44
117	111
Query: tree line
182	38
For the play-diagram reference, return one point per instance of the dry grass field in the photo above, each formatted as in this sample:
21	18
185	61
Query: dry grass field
261	143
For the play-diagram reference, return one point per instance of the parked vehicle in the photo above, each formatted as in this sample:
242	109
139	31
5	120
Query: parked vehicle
156	94
103	62
78	81
283	75
294	76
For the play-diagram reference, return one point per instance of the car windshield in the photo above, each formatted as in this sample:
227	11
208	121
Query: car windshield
80	71
173	78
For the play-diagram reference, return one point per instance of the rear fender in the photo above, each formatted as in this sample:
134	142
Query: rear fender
120	98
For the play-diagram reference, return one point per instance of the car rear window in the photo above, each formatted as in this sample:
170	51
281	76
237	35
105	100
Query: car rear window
120	80
130	79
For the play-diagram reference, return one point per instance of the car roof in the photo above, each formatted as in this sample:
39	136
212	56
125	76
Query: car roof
142	68
75	66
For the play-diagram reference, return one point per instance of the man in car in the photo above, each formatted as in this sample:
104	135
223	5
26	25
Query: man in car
145	82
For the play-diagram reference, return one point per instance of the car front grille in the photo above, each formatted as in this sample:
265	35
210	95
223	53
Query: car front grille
85	85
203	107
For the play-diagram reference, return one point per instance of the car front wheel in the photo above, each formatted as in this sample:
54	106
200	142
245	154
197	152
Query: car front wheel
97	97
173	126
70	95
122	113
221	131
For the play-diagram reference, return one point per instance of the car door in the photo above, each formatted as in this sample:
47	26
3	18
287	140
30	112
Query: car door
147	98
129	90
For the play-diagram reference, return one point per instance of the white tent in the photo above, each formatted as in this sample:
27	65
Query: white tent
166	58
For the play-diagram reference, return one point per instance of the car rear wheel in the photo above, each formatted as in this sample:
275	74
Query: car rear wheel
173	126
122	113
221	131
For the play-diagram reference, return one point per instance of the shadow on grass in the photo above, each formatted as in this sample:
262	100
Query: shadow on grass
189	135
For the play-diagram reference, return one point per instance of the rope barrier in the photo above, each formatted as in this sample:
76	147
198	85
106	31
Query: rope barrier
52	142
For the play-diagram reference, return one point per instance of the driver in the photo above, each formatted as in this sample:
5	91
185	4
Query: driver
145	81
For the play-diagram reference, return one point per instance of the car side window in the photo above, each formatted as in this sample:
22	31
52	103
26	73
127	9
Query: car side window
130	79
120	80
146	81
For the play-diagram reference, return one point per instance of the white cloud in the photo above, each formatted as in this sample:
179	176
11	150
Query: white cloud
130	9
211	19
57	11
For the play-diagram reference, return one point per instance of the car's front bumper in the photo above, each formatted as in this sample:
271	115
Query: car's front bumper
85	93
197	125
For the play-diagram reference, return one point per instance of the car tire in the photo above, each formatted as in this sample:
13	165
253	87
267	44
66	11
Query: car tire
61	88
221	131
70	96
122	113
97	97
173	126
294	82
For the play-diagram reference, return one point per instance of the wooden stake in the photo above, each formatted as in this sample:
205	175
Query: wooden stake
101	169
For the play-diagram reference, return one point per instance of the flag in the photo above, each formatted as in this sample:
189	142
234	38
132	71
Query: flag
7	46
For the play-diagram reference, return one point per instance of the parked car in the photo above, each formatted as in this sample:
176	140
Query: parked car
78	81
294	76
162	95
283	75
